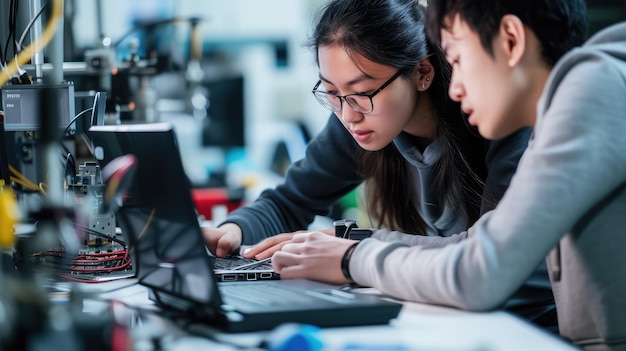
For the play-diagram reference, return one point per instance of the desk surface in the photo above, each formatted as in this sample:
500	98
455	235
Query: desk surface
418	327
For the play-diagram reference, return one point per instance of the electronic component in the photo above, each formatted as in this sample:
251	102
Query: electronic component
88	191
21	104
102	251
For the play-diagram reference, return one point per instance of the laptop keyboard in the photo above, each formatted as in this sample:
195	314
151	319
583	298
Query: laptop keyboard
230	263
270	295
267	295
240	263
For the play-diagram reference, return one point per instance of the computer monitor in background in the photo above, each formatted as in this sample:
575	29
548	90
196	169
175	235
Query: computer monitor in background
30	113
25	105
224	124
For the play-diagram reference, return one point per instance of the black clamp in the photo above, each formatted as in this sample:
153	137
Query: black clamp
347	229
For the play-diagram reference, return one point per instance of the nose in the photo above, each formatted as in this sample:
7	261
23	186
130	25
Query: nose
456	90
348	114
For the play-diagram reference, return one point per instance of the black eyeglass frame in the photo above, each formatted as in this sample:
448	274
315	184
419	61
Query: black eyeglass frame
329	106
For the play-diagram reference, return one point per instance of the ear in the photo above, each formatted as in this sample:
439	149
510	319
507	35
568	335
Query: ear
512	39
424	74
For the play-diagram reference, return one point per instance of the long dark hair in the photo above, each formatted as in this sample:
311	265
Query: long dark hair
391	32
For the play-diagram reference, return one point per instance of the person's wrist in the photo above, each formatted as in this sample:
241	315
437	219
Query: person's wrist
345	261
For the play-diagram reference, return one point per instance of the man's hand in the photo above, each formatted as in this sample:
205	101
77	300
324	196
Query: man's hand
312	255
224	240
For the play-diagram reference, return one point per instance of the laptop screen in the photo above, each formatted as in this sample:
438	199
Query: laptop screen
158	218
157	214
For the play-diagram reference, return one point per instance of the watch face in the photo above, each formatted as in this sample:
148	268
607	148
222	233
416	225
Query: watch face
343	227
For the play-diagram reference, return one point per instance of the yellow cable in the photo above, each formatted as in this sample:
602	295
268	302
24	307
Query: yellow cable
25	55
19	178
29	186
23	180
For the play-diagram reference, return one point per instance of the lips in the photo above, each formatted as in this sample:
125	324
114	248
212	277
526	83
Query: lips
361	135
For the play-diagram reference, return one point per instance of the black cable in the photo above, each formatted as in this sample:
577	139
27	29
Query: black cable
6	45
14	25
93	232
74	119
28	27
11	21
65	149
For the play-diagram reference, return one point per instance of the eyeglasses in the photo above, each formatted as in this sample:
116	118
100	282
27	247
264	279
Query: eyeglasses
359	102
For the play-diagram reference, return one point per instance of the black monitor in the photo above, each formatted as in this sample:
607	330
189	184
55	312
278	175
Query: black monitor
224	125
155	146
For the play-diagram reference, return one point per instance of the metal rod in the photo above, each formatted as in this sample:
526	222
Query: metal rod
35	32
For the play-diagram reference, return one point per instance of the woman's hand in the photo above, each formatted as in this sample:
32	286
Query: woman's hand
224	240
312	255
269	246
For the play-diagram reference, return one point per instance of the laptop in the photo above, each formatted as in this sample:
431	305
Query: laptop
235	268
158	218
109	142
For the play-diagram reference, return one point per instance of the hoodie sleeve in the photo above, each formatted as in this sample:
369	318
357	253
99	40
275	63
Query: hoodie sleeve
418	240
575	159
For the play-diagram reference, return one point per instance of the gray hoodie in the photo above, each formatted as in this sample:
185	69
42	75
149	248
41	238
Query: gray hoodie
566	204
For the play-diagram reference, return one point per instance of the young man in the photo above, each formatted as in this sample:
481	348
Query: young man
567	200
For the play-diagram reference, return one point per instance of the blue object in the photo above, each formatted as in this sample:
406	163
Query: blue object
294	337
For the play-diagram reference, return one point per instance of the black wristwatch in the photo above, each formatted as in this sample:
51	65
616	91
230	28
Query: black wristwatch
347	229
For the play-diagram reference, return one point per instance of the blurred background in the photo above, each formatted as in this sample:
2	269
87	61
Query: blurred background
233	76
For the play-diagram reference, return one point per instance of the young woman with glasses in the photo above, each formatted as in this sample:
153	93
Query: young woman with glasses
427	174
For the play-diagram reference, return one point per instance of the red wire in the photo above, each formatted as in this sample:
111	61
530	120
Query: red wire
85	269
